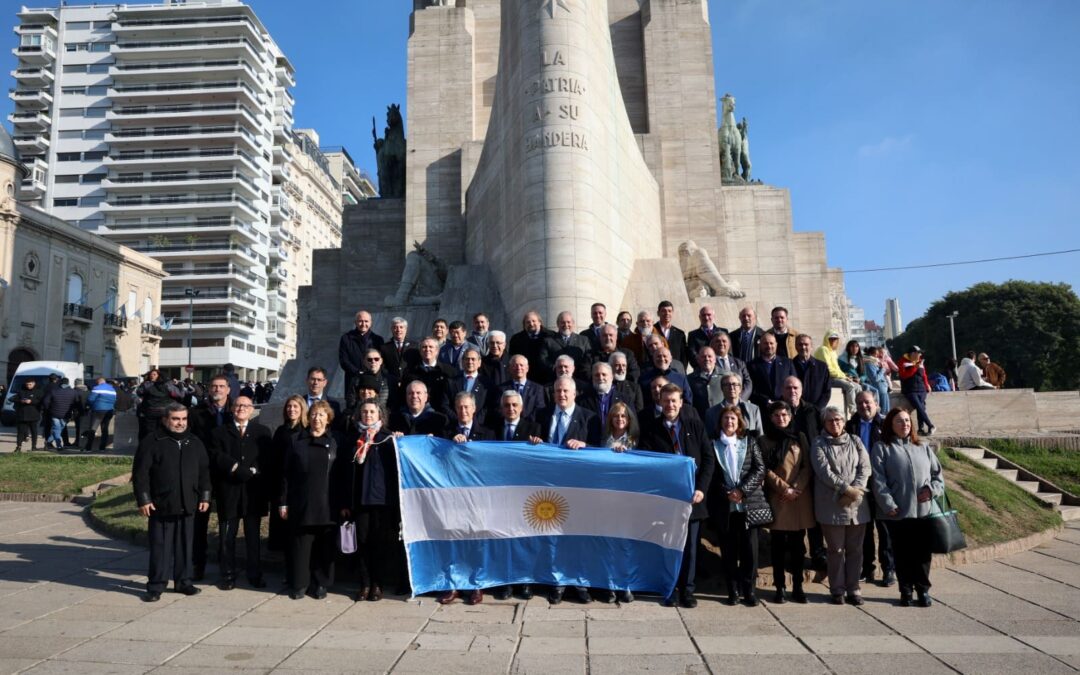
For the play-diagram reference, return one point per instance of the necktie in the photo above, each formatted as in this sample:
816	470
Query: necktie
560	428
399	348
520	388
509	433
242	427
746	345
469	382
566	339
674	440
463	430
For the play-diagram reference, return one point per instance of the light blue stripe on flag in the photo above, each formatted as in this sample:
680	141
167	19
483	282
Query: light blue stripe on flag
477	515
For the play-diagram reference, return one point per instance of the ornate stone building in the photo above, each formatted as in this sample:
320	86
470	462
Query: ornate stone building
69	295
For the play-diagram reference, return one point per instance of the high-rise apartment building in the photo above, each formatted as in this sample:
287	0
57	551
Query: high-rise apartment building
356	184
167	128
893	326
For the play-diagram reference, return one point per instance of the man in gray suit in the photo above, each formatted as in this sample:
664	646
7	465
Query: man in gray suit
727	363
732	386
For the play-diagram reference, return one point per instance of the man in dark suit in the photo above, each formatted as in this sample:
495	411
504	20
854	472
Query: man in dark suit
212	412
702	335
434	374
601	394
567	342
680	434
744	340
663	365
726	362
417	417
496	361
768	372
813	373
316	386
866	425
620	364
565	367
533	397
676	337
806	419
450	353
598	311
351	349
465	426
471	380
568	425
399	352
607	344
237	455
530	343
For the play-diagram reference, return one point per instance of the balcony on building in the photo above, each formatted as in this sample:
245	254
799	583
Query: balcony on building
36	55
31	99
151	333
208	113
219	296
182	203
172	48
180	227
33	76
33	185
191	248
208	272
115	321
171	92
214	320
25	122
32	144
132	158
142	136
160	180
77	313
136	24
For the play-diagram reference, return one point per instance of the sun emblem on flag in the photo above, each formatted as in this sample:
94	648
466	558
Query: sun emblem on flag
546	510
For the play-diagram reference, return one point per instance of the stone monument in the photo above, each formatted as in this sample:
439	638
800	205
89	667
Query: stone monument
563	152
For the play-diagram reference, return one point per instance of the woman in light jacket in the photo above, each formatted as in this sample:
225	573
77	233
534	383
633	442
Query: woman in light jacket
786	454
841	475
907	476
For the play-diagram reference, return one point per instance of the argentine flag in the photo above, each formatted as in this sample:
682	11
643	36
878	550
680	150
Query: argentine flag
483	514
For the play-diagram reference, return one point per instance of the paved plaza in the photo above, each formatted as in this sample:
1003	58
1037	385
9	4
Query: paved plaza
69	603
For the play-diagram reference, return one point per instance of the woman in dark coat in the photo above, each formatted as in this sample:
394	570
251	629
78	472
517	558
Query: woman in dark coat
295	416
155	395
306	498
736	490
370	497
27	414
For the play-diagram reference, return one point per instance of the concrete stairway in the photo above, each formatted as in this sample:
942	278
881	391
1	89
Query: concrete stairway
1053	498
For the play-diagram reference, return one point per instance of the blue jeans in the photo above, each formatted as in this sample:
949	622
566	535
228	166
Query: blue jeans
58	425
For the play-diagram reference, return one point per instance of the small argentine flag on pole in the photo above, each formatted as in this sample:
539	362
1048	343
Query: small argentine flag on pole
483	514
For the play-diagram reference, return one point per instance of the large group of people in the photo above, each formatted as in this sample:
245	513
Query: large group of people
750	406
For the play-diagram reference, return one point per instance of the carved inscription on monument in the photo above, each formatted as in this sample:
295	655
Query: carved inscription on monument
552	94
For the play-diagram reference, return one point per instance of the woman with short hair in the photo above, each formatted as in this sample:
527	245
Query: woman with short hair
841	475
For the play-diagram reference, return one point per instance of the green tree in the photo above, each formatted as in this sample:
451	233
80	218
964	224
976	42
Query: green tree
1031	329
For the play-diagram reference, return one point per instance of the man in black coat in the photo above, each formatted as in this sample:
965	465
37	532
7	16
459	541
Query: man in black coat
744	339
27	413
601	395
607	345
171	478
466	426
399	352
510	425
351	349
567	343
58	404
866	425
676	337
806	420
530	342
316	391
417	417
237	455
533	397
678	433
768	372
212	412
813	373
703	335
434	374
598	312
496	361
473	381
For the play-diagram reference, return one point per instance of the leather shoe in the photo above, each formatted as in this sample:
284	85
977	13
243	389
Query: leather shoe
889	580
296	594
475	598
925	600
361	594
582	595
750	599
227	585
837	599
554	596
376	594
257	583
732	598
320	593
671	600
447	597
189	589
525	592
501	593
855	600
151	596
798	595
905	599
778	597
608	597
626	596
688	600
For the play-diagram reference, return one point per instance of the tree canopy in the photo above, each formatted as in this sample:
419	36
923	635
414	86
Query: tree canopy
1030	329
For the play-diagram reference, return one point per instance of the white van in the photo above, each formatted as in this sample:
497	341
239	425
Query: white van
39	371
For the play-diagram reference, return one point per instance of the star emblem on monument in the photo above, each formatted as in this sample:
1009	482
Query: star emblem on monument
555	5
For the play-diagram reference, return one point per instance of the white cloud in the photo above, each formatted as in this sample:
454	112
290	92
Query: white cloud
887	146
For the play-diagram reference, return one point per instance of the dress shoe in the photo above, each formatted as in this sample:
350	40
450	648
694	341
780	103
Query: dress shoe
257	583
837	599
779	598
924	600
867	576
905	599
671	600
930	430
361	594
855	600
446	597
889	579
151	596
688	600
188	589
501	593
750	599
296	594
375	595
525	592
582	594
626	596
320	593
798	595
227	584
608	597
732	597
554	596
475	598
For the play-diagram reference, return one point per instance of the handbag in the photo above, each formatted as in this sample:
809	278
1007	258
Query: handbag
347	537
943	527
757	517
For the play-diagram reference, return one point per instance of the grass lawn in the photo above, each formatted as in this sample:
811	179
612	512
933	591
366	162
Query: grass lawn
1060	467
118	510
991	508
51	474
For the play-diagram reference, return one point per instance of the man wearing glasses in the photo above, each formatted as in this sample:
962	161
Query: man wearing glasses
316	390
731	384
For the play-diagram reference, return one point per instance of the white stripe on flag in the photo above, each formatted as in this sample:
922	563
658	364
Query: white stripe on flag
504	512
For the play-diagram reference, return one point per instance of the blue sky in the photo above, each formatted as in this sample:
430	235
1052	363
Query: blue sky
910	133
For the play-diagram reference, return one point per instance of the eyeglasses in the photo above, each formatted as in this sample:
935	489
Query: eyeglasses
373	360
317	379
241	406
730	385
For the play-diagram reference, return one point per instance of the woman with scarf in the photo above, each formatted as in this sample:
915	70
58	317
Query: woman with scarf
621	430
786	454
367	470
737	492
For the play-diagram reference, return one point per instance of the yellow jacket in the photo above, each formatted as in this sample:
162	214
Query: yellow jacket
830	356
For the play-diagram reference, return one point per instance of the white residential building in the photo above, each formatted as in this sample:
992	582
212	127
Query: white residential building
356	184
857	325
893	325
164	127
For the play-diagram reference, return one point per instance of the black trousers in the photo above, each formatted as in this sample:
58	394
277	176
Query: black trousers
227	531
200	531
170	552
918	401
24	430
381	552
738	549
788	554
311	557
688	568
816	539
884	548
912	554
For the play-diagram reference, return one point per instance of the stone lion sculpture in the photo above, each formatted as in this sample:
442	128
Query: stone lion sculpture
701	277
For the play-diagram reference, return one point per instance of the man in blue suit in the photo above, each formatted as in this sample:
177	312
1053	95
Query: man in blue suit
768	372
533	398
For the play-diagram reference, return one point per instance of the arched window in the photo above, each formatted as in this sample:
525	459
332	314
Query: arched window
75	289
132	304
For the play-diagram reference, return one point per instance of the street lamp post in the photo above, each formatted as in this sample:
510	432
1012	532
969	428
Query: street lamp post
192	293
952	331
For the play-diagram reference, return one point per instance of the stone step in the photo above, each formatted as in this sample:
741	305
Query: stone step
1031	486
1008	474
1069	512
1049	497
988	462
971	453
